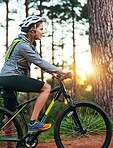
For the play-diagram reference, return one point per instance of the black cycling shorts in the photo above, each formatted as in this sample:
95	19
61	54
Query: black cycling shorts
17	83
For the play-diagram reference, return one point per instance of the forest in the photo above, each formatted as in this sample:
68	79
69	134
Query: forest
69	24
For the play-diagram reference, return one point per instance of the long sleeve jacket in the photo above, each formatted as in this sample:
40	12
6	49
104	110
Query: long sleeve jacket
22	56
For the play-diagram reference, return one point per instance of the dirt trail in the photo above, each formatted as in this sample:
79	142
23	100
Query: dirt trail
73	145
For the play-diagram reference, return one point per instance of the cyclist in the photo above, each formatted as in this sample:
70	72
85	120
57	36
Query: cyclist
15	77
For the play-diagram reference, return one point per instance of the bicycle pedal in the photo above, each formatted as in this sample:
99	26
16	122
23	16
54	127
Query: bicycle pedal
38	131
26	135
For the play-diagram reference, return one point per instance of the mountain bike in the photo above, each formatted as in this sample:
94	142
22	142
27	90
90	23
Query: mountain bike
83	121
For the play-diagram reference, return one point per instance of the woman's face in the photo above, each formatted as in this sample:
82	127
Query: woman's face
39	31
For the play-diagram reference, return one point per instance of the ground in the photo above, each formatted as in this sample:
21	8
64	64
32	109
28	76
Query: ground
75	145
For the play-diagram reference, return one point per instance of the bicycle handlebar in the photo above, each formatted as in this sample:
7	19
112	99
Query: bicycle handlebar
61	77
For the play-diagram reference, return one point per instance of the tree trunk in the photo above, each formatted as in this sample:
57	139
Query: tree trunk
29	94
7	20
101	42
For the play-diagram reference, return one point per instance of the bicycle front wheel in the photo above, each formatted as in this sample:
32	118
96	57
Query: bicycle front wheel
85	125
10	133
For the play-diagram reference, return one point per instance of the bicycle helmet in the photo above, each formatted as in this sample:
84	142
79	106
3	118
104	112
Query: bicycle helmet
30	20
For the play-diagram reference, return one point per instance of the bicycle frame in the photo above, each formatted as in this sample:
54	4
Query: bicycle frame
69	111
20	107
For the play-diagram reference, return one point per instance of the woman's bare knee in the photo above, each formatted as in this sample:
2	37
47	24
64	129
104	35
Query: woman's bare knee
46	88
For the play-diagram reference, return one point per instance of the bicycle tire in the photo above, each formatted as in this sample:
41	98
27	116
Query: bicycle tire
11	132
96	124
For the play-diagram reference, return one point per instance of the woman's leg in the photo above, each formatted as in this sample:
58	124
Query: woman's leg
41	100
10	103
26	84
34	124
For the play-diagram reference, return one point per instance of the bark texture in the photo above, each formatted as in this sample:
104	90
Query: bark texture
101	42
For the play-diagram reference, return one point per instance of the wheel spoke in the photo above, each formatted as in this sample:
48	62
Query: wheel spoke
9	132
95	127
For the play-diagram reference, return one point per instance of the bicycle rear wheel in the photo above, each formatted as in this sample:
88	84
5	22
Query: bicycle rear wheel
93	131
9	134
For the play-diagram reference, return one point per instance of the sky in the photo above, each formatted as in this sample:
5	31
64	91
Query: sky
13	27
82	50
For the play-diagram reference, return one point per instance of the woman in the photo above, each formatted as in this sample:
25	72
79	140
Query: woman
14	75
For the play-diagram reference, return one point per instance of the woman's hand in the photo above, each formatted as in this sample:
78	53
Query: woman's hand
68	73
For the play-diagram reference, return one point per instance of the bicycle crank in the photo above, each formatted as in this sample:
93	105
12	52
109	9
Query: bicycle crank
30	141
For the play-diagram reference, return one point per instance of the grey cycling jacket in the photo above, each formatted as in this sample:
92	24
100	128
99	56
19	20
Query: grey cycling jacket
24	53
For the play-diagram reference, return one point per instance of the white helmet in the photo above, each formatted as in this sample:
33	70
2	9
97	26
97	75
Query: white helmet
30	20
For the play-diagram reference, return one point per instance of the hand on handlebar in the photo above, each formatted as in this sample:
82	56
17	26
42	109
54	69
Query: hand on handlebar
64	74
68	74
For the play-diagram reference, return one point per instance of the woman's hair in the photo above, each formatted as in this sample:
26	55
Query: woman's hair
37	25
34	26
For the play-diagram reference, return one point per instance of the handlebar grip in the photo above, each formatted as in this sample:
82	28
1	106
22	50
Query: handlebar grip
69	75
64	76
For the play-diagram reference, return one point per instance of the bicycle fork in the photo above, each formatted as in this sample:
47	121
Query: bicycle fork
78	125
75	116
